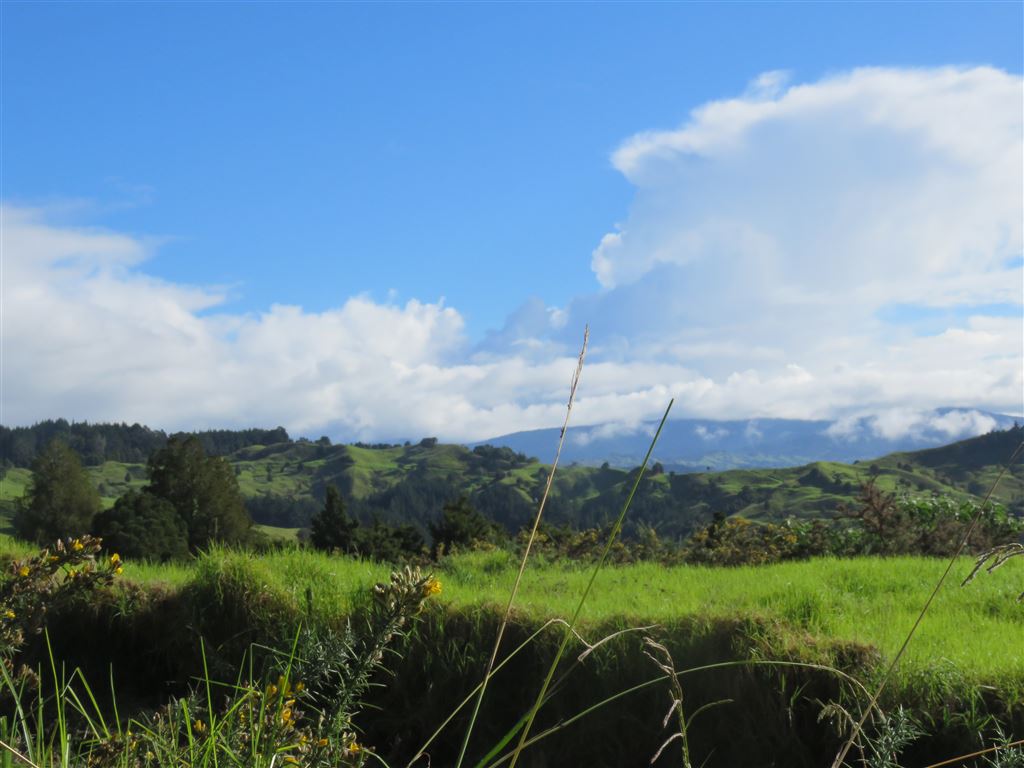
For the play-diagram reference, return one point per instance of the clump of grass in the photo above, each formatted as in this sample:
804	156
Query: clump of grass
259	721
995	558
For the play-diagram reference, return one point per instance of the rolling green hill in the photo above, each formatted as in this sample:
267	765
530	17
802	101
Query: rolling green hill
284	484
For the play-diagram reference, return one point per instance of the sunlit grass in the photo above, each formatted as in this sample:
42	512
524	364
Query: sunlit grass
975	630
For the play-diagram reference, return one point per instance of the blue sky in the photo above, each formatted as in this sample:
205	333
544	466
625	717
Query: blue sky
355	164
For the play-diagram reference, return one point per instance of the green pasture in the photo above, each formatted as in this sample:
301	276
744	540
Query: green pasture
975	633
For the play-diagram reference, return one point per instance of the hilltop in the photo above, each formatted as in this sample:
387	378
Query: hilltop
284	483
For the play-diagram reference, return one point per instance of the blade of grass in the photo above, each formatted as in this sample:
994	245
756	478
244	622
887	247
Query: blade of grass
960	759
526	553
17	755
848	744
586	592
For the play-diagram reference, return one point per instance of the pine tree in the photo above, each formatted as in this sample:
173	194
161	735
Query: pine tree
460	525
61	500
332	528
203	490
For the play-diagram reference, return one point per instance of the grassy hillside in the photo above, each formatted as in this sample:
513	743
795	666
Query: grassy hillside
285	483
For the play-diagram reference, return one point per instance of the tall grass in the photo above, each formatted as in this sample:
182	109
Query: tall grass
526	552
894	664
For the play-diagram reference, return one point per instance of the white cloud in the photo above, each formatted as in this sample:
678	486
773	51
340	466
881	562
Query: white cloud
748	280
774	229
609	431
710	434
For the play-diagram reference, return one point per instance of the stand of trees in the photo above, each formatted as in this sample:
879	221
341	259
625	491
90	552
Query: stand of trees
334	530
191	500
96	443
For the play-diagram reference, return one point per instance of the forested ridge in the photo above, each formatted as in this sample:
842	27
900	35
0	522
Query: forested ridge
283	481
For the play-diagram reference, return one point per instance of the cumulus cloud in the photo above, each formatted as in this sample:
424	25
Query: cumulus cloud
773	232
87	334
751	277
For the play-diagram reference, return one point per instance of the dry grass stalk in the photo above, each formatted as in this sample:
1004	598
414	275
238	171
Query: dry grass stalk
662	659
998	555
959	759
529	544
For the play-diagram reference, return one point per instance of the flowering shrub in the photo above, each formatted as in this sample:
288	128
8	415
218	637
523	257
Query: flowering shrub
31	587
302	716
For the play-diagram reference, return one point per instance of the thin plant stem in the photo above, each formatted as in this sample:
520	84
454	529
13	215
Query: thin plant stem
848	744
586	592
663	678
17	754
451	716
958	760
526	554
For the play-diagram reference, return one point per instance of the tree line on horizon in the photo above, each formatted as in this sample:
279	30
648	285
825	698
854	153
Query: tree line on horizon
192	500
129	443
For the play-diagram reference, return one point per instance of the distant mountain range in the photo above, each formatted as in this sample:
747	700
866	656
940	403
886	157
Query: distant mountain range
688	445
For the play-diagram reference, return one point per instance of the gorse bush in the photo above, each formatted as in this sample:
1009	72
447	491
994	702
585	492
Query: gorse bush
298	710
33	586
880	524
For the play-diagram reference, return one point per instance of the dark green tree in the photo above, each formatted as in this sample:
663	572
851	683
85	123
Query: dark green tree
331	528
460	525
388	543
203	491
60	500
141	525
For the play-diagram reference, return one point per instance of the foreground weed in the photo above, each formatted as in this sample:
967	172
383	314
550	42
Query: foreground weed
570	628
259	721
526	552
998	556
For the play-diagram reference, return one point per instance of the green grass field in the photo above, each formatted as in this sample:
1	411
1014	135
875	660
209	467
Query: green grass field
966	661
975	630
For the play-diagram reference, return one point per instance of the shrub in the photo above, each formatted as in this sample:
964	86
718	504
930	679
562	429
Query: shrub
738	541
140	525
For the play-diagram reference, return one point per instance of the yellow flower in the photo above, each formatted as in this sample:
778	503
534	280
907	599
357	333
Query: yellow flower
119	570
199	726
353	749
8	614
115	559
24	570
432	587
77	545
322	743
